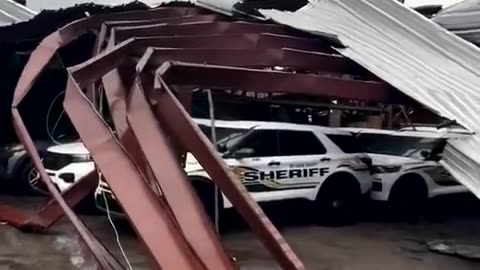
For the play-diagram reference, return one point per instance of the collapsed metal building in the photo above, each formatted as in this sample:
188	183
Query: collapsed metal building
148	63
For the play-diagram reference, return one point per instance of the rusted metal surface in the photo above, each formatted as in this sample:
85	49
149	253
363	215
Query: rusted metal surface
132	191
197	28
178	73
151	60
178	123
107	26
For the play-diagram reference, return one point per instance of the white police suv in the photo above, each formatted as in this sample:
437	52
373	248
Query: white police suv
405	166
280	161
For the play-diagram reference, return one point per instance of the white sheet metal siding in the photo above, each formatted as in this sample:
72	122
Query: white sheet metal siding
11	12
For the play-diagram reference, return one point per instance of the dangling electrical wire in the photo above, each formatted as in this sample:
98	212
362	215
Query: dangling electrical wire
214	142
50	134
117	236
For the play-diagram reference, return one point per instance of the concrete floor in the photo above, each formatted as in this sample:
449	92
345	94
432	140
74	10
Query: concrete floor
374	243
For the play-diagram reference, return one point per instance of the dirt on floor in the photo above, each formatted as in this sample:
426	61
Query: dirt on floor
374	243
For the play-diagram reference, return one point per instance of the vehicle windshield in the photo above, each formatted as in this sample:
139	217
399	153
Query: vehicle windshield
225	136
401	145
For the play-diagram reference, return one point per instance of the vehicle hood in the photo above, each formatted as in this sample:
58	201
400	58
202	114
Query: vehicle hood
192	164
76	148
380	159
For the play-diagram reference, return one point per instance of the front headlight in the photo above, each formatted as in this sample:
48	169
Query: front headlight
386	169
81	158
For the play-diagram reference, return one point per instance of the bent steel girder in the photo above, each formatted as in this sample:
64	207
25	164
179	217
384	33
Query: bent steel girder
197	28
95	69
178	124
222	77
49	45
147	213
115	90
186	210
232	41
183	247
38	60
51	212
267	57
108	25
253	58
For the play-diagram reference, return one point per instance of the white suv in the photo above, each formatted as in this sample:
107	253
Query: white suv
405	166
279	161
67	163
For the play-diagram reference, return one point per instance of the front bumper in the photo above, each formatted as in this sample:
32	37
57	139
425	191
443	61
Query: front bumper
65	177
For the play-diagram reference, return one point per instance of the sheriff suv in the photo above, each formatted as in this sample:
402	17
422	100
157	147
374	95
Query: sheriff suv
406	166
281	161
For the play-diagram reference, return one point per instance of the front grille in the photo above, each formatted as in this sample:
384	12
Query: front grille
56	161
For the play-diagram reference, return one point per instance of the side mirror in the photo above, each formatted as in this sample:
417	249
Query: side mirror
425	154
243	153
222	148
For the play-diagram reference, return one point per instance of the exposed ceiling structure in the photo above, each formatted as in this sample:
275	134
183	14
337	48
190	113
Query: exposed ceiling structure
11	12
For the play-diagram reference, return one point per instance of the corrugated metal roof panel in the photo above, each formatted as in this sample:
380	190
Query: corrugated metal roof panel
410	52
11	12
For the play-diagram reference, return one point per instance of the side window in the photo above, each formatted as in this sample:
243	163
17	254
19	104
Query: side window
264	143
347	143
300	143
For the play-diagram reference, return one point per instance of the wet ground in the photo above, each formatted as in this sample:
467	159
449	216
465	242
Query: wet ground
374	243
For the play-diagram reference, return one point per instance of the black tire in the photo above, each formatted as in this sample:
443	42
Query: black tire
338	200
205	190
408	198
28	180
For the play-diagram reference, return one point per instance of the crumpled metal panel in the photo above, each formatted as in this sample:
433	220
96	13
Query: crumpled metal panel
415	55
461	160
463	19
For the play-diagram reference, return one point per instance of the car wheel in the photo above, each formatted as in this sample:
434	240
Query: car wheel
30	180
337	203
206	193
408	198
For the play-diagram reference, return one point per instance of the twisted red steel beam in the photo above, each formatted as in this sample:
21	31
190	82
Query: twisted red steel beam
103	64
266	58
185	208
197	28
108	25
147	213
177	122
222	77
37	62
40	58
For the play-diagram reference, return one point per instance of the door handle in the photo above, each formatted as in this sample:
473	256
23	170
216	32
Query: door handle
274	163
325	159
